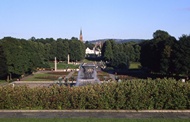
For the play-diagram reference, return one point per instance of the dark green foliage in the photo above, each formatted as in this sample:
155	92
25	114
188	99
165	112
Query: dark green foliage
181	56
89	45
164	54
119	55
107	52
3	66
19	56
131	94
160	35
156	54
120	60
76	50
22	56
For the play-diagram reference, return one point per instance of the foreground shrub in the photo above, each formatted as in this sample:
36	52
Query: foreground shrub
131	94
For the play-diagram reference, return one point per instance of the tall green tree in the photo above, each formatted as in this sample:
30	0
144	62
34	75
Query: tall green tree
89	45
181	56
137	50
107	51
129	51
160	35
120	61
3	65
53	50
65	49
156	53
60	50
76	50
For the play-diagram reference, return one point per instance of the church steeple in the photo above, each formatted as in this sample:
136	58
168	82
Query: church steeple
81	38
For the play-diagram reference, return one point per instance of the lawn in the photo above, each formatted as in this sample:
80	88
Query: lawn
47	76
134	65
3	82
63	65
89	120
87	61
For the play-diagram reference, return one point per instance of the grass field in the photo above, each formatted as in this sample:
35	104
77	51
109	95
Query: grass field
2	81
134	65
45	76
89	120
86	61
63	65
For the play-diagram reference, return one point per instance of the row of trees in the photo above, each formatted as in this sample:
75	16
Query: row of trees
166	55
20	56
163	54
120	54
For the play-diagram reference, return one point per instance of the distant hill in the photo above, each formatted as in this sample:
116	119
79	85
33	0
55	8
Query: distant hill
117	40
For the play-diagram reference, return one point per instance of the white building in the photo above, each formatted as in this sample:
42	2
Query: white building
92	52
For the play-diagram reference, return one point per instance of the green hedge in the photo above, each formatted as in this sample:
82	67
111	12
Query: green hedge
131	94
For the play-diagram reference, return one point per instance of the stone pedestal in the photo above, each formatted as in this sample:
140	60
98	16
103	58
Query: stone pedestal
68	59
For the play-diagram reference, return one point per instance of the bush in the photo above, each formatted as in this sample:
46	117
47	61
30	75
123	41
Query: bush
132	94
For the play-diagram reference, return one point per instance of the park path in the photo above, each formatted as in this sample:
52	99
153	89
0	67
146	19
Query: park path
112	76
184	114
4	84
69	75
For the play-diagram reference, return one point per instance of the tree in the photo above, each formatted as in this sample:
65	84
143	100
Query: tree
160	35
129	51
3	65
181	56
12	48
76	50
21	56
137	50
53	50
60	50
146	56
107	51
65	49
120	61
89	45
166	48
156	53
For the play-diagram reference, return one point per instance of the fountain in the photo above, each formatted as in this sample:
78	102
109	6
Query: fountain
87	74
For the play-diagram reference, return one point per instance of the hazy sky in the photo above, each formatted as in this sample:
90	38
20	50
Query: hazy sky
98	19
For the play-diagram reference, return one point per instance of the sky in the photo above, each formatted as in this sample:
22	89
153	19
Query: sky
98	19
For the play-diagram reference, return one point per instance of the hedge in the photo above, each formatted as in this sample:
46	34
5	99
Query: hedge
131	94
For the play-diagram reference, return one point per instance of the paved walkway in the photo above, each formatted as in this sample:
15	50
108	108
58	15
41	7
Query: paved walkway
69	75
4	84
112	77
92	114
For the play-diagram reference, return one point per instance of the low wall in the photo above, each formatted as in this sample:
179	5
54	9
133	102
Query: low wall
39	82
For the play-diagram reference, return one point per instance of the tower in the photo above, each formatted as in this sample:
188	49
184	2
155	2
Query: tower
81	38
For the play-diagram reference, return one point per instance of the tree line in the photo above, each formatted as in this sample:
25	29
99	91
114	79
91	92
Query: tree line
20	56
165	54
162	54
118	55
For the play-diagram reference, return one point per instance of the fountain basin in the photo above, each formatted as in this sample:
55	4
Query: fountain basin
87	74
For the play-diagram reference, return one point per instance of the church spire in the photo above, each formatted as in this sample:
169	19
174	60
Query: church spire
81	38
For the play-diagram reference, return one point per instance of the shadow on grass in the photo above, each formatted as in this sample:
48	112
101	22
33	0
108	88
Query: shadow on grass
140	74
